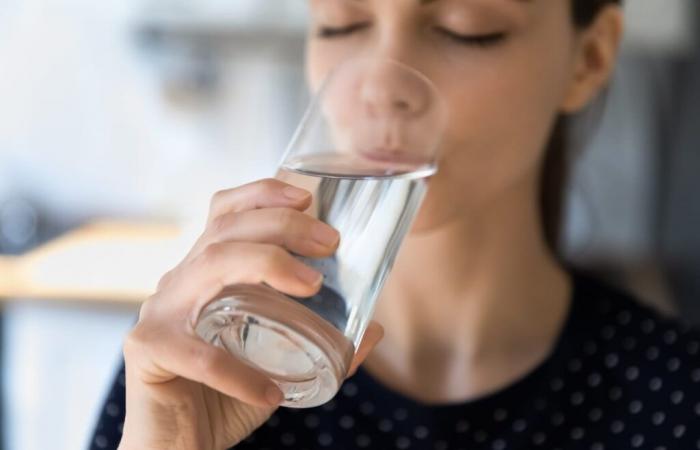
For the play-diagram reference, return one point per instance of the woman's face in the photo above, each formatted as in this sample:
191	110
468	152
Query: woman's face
504	68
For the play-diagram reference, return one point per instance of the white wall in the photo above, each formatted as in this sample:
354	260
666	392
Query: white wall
90	126
58	360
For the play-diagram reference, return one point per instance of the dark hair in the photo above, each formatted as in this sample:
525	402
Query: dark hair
555	166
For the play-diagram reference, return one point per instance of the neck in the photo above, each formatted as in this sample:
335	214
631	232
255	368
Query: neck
471	304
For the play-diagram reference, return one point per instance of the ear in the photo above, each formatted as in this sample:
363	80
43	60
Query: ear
597	47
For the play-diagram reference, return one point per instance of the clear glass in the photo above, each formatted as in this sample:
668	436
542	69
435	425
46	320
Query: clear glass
364	149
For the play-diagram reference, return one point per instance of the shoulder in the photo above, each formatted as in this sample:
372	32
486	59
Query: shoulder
620	322
646	363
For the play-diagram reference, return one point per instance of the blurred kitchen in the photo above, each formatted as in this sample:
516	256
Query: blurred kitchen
119	119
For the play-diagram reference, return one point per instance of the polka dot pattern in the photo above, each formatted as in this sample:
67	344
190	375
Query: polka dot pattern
619	377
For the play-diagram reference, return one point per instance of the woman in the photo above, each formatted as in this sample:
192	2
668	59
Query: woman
489	341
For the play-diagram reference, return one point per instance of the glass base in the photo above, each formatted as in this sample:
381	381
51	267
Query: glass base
303	354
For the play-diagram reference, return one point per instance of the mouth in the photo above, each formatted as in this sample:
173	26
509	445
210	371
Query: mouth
393	155
382	154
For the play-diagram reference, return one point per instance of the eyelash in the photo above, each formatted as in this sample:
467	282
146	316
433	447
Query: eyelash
330	32
476	40
482	40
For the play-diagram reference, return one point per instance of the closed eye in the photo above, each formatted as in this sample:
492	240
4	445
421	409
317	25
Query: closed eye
477	40
332	32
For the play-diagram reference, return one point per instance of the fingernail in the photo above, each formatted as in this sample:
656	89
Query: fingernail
274	395
309	275
295	193
325	235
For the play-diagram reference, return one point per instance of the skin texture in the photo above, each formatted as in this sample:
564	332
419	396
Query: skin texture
182	393
475	299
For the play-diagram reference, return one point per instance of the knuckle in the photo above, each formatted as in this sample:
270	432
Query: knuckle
135	342
145	309
205	358
165	280
216	199
209	256
149	309
218	225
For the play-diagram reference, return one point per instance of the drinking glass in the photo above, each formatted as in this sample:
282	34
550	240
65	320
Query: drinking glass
364	148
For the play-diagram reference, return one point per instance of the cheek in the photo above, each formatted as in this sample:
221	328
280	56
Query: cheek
501	113
497	121
320	59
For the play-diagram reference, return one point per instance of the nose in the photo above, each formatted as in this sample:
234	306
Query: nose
394	90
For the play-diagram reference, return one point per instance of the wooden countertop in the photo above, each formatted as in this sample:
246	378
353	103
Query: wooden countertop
106	261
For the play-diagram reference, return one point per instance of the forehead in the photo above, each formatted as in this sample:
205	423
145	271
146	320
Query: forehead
430	2
426	2
520	9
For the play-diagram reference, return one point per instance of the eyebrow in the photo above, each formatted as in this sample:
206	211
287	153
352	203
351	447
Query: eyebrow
425	2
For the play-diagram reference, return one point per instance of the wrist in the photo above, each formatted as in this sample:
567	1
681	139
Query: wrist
156	438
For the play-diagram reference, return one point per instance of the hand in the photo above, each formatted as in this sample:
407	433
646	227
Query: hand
183	393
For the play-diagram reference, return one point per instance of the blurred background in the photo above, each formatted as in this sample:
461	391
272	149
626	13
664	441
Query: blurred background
119	119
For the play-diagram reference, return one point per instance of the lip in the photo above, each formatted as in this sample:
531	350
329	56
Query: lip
382	154
393	155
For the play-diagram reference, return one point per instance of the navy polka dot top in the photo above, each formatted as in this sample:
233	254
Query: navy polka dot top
620	376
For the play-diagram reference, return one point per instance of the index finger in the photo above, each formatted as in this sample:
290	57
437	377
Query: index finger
265	193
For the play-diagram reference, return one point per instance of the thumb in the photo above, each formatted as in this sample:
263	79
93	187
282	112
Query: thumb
373	334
